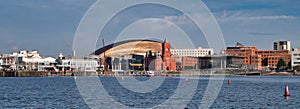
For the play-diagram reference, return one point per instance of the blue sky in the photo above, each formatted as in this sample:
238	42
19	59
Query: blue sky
50	25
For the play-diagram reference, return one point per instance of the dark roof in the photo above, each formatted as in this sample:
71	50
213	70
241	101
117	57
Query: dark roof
238	44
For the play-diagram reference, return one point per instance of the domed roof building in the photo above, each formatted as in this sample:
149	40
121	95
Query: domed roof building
116	52
129	47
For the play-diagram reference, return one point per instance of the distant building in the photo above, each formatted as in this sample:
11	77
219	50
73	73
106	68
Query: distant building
1	63
35	64
295	57
163	61
126	55
187	63
168	63
9	61
282	45
126	62
26	60
70	64
78	65
259	58
221	61
248	52
270	58
200	52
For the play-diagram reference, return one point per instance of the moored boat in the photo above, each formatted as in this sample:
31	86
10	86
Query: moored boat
150	73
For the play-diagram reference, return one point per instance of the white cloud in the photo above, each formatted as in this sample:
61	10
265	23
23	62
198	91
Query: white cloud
239	16
154	24
178	19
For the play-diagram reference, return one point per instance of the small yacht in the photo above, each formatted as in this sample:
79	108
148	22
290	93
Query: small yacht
150	73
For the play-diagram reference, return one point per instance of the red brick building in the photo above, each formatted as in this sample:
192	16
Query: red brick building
162	62
189	63
260	58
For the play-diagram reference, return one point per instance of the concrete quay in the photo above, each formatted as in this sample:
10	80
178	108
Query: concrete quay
141	73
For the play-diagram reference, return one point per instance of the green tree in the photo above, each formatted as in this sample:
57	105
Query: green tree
281	63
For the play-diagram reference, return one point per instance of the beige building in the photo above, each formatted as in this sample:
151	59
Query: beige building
199	52
295	57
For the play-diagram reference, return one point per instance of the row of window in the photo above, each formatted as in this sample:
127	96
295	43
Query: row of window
296	54
190	54
296	62
188	51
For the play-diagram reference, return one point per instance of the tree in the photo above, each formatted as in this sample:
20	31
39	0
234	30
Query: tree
281	63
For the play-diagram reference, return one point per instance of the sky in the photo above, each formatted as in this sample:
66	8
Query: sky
49	26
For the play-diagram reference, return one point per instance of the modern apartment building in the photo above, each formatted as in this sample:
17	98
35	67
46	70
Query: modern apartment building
295	57
200	52
282	45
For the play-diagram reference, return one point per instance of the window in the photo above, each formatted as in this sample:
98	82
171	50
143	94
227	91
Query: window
296	62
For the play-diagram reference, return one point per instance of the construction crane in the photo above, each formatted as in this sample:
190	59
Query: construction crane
104	58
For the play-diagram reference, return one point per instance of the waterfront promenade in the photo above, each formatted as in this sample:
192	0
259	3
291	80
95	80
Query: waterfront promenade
142	73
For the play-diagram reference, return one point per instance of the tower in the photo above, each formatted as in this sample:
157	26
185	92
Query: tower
166	55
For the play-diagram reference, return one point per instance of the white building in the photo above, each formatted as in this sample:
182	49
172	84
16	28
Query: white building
36	64
86	64
26	60
200	52
282	45
9	61
1	63
295	57
79	65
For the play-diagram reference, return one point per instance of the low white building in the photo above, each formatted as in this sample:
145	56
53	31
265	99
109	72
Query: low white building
200	52
9	61
26	60
86	64
295	57
79	65
37	64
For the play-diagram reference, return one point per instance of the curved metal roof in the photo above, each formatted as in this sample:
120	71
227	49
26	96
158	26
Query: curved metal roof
128	47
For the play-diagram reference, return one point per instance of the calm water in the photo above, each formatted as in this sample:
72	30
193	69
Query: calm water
61	92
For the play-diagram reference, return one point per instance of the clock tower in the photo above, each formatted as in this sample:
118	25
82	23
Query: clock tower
166	55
